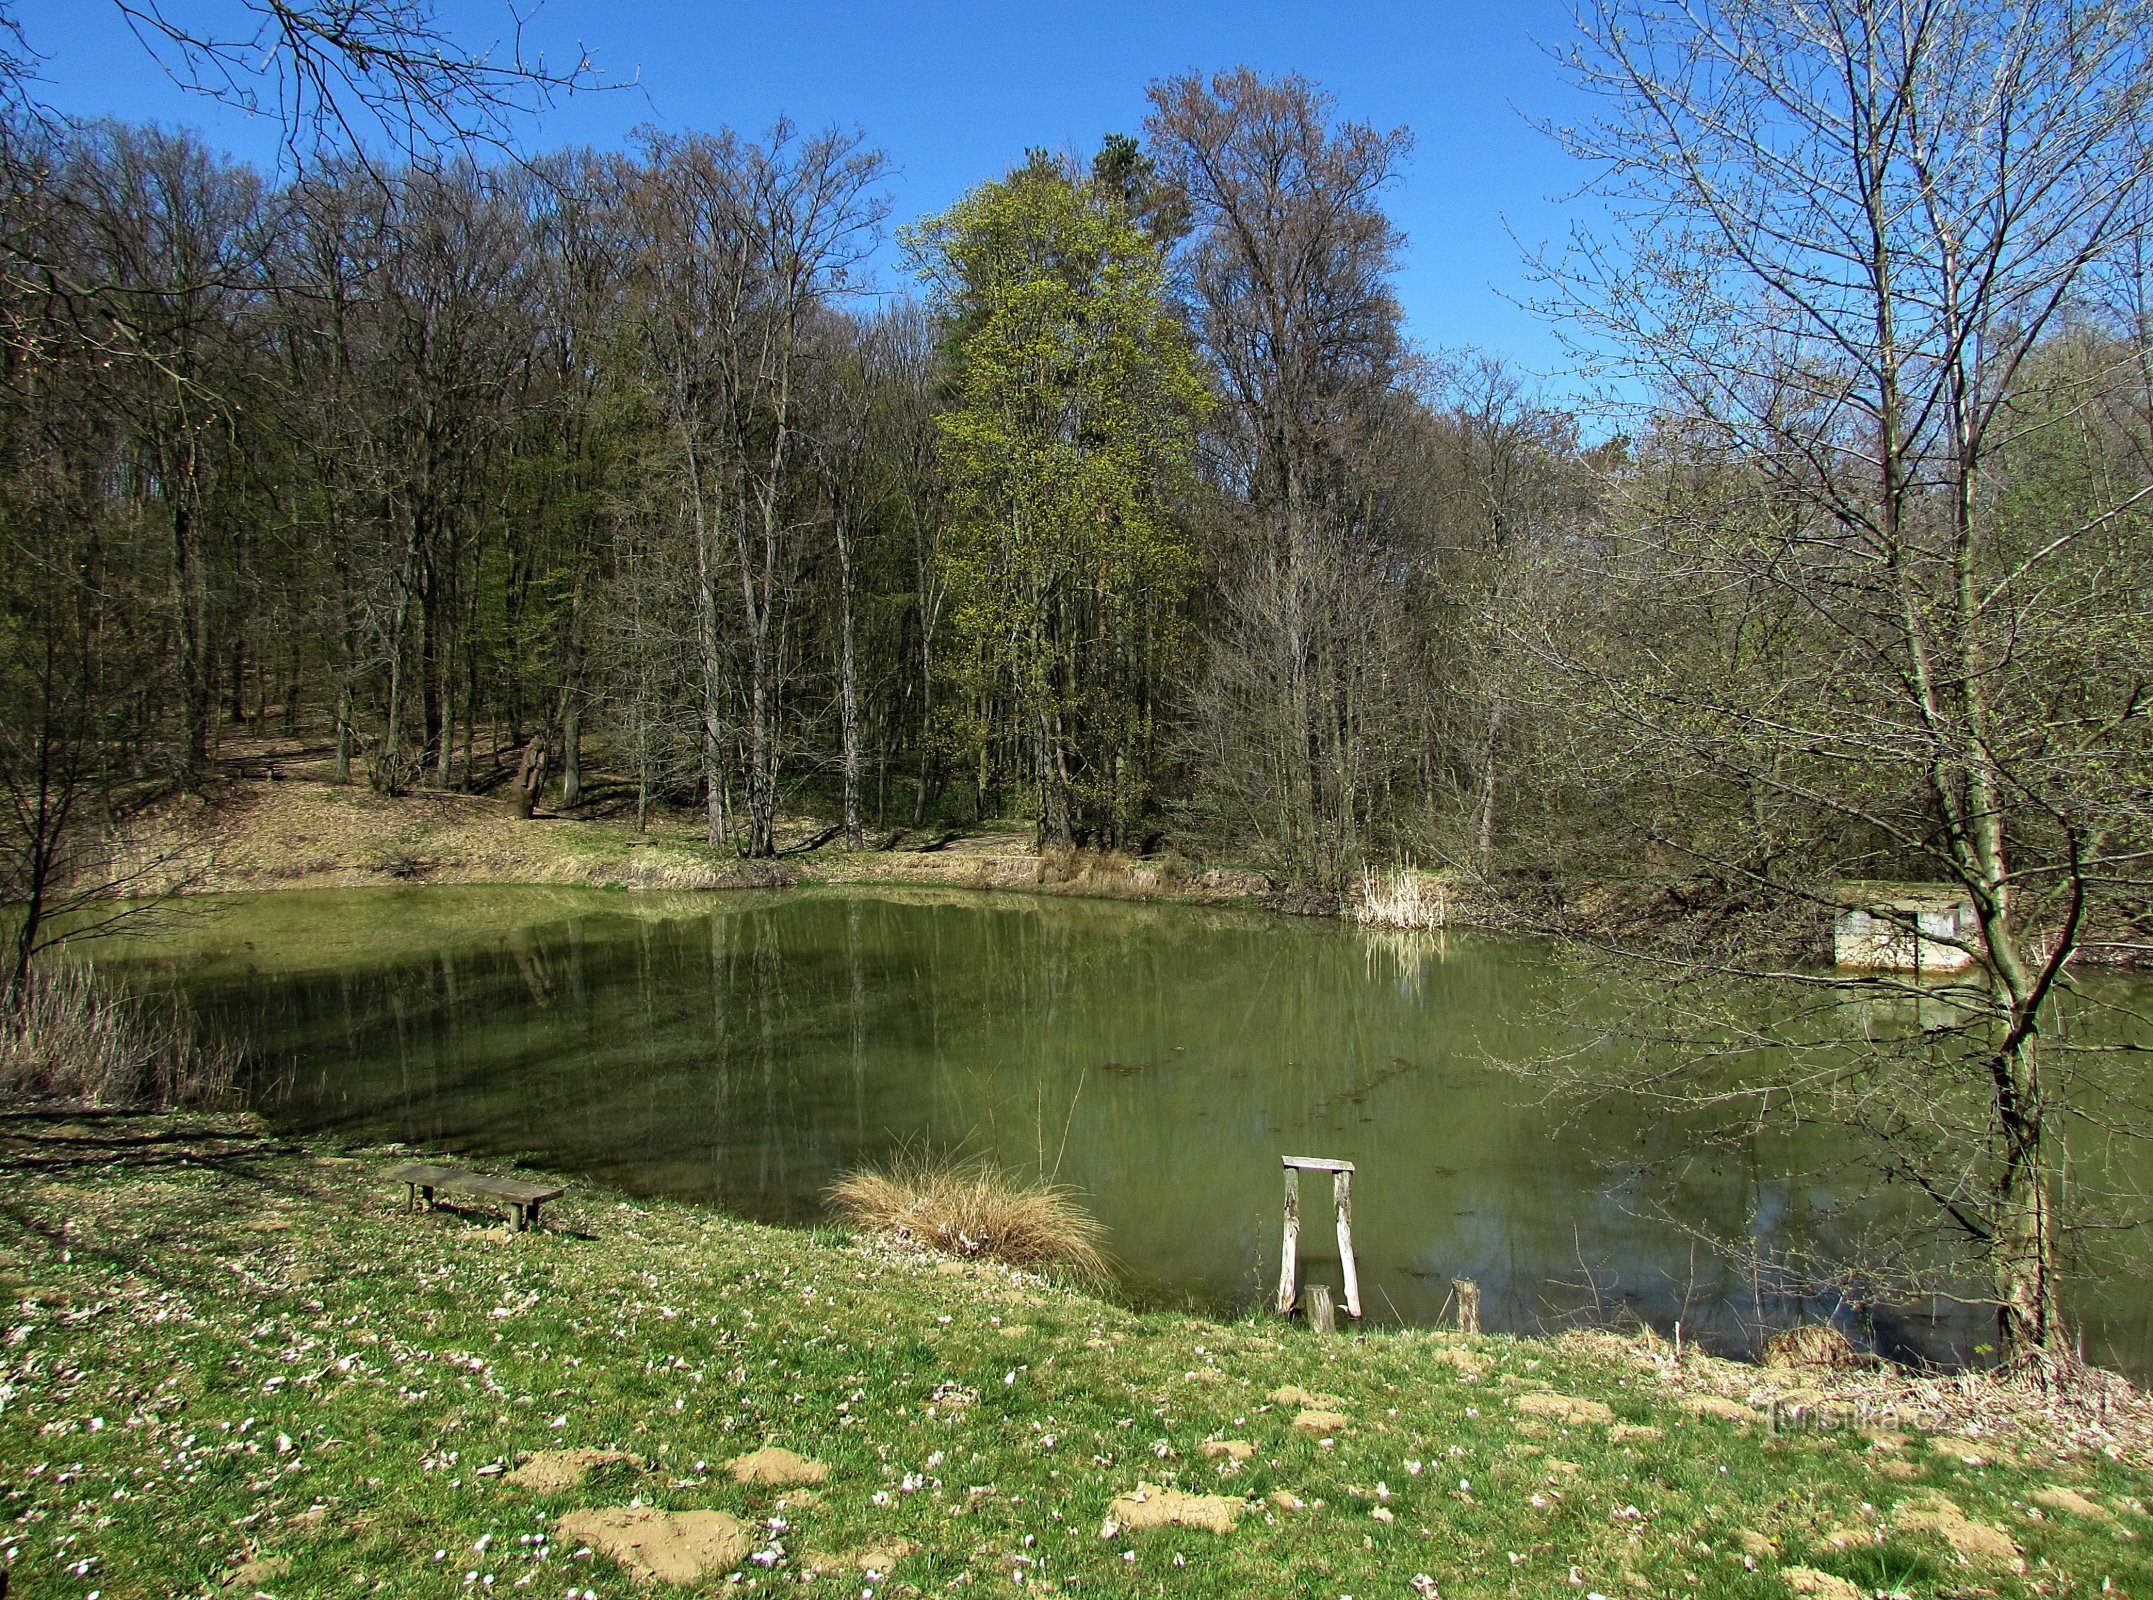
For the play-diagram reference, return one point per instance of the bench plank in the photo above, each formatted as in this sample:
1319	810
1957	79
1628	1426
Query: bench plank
514	1190
424	1172
524	1197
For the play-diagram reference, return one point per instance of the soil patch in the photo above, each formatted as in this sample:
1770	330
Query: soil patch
1470	1364
882	1557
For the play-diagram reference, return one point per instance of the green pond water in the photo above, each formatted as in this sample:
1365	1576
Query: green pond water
747	1049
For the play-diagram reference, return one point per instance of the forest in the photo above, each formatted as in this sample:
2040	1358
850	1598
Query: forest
1134	522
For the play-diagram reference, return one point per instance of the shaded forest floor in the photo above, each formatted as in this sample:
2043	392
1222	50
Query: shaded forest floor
276	819
234	1364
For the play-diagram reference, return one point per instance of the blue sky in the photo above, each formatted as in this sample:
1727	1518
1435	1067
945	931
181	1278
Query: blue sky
956	92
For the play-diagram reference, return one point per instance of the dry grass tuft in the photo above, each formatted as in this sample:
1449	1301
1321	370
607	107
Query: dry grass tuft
972	1210
72	1037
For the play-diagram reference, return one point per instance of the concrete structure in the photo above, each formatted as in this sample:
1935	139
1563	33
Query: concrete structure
1882	936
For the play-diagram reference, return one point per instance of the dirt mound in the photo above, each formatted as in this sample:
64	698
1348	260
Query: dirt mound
1810	1346
1716	1405
2058	1497
549	1471
1302	902
1940	1515
1149	1507
884	1556
250	1576
773	1468
1821	1585
670	1546
1314	1421
1230	1449
1470	1363
1562	1408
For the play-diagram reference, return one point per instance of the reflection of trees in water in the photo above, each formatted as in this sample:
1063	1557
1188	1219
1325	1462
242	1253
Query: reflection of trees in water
1160	1061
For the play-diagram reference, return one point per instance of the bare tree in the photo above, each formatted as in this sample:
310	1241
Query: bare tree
1289	269
747	242
1844	237
1503	487
335	74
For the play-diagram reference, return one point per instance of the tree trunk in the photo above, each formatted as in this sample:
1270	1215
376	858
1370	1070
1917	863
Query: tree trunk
572	752
1486	842
1055	828
343	731
718	826
848	690
530	779
2024	1249
235	682
191	604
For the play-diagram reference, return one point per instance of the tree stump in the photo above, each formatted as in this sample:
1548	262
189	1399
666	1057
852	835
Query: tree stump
1468	1293
530	780
1322	1315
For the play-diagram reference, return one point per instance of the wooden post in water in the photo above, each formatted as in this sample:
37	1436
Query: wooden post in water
1289	1265
1342	1200
1468	1293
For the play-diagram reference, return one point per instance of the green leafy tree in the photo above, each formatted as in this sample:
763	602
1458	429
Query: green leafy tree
1068	444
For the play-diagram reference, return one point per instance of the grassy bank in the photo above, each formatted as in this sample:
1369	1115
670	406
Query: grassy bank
234	1364
251	832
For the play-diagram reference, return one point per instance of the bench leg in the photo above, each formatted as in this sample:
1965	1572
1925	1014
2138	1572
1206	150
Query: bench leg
534	1213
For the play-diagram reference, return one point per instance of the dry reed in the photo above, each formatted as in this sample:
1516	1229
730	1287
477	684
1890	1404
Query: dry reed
1401	898
72	1037
972	1210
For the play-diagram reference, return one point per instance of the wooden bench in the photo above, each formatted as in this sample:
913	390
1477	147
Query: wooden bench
422	1178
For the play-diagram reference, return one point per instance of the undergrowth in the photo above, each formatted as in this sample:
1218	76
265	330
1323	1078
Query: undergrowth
71	1036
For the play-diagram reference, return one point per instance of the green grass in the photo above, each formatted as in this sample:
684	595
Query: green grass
218	1347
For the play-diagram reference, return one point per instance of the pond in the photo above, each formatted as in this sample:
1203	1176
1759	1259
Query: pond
746	1049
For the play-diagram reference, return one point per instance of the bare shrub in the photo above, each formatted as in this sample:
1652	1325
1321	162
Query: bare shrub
73	1037
1108	873
973	1210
